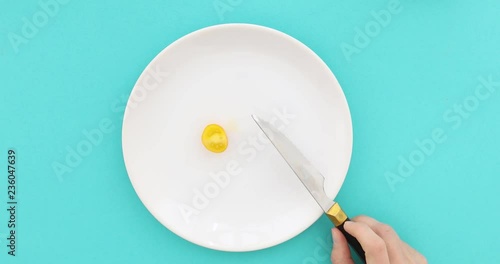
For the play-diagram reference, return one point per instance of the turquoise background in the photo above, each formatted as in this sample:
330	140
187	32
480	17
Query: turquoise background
81	66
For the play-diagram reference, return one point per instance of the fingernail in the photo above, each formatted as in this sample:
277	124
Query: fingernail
334	235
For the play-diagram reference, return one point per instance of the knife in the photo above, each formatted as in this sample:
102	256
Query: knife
311	178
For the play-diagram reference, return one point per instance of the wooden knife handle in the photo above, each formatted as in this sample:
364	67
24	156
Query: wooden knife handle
338	218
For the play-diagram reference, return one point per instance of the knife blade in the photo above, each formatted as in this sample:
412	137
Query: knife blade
311	178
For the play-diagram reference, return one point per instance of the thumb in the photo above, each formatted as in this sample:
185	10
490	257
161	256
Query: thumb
340	253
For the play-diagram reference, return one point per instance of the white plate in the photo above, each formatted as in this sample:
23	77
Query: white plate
223	74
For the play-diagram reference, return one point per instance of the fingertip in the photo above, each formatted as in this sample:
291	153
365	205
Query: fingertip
348	224
354	228
340	252
335	235
338	237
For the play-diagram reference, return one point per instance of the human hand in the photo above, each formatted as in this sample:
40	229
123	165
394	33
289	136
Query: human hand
379	241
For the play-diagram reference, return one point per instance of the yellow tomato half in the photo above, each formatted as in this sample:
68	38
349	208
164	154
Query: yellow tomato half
214	138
